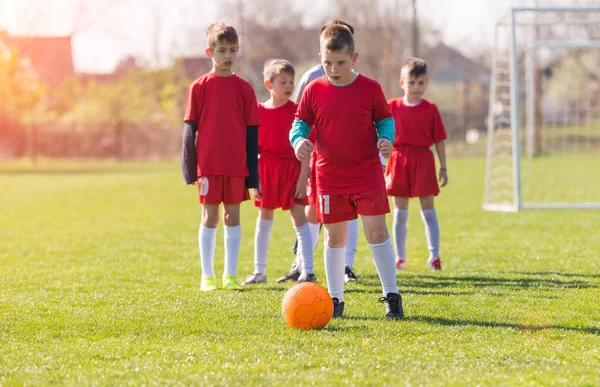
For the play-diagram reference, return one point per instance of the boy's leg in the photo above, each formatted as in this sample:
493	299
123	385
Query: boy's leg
262	233
432	232
303	236
232	239
315	228
350	276
383	255
206	243
335	249
400	229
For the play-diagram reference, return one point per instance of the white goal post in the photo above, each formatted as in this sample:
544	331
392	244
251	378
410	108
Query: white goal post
515	84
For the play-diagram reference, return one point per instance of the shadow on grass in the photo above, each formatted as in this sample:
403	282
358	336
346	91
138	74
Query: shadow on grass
548	273
491	324
441	281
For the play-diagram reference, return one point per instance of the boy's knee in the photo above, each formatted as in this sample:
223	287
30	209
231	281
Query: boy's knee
377	235
210	220
334	241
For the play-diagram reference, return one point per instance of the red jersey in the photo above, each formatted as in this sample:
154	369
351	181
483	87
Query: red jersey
346	139
419	125
222	107
274	131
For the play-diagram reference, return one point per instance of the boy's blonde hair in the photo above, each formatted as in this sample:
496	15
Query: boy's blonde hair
221	33
337	37
274	67
414	67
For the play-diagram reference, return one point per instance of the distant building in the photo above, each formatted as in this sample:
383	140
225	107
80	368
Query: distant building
50	57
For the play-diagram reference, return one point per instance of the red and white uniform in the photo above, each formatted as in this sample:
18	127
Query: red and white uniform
348	170
222	107
411	169
278	167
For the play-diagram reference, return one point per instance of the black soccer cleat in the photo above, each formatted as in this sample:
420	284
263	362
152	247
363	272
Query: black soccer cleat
291	276
393	306
307	277
338	308
349	275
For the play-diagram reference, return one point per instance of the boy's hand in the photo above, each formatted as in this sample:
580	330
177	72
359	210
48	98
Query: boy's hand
300	191
443	176
257	192
303	149
385	147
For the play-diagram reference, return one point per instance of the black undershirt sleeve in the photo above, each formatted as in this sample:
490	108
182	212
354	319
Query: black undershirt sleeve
252	156
189	157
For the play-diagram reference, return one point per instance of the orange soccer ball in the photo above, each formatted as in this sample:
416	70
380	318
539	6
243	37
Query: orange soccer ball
307	305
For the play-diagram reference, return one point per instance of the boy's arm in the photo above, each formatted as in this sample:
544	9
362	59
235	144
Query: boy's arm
189	157
440	148
252	156
299	140
386	131
300	192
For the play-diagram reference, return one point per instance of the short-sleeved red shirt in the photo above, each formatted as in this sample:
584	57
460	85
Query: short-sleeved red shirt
222	107
274	131
419	125
346	138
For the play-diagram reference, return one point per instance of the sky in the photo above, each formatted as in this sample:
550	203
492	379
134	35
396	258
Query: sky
112	29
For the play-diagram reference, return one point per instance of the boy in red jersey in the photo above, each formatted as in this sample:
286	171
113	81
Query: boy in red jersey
411	170
282	176
353	124
221	108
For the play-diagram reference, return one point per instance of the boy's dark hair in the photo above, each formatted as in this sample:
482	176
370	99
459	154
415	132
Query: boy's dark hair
274	67
221	33
337	22
337	37
415	67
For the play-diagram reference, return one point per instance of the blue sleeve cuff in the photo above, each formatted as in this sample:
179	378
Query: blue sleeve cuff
386	129
300	130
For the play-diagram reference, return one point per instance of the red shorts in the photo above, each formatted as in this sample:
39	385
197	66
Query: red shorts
340	208
411	173
311	183
278	179
216	189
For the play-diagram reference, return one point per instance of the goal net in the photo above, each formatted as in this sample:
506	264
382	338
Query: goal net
543	146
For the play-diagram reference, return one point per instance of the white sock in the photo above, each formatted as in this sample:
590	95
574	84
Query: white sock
400	228
383	256
305	251
334	270
352	242
207	240
315	230
232	239
432	232
261	244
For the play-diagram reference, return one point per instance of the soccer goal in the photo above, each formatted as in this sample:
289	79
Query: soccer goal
543	148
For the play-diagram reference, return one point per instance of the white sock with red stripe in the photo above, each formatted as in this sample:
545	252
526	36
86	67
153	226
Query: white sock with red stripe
232	239
207	240
305	251
261	244
399	225
334	270
432	232
352	242
383	256
315	230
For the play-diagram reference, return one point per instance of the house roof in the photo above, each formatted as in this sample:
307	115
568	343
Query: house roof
50	56
445	64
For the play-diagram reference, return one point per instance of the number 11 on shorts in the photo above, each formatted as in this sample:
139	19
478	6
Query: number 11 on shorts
324	204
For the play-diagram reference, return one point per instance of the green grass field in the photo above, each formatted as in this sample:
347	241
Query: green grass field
99	285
